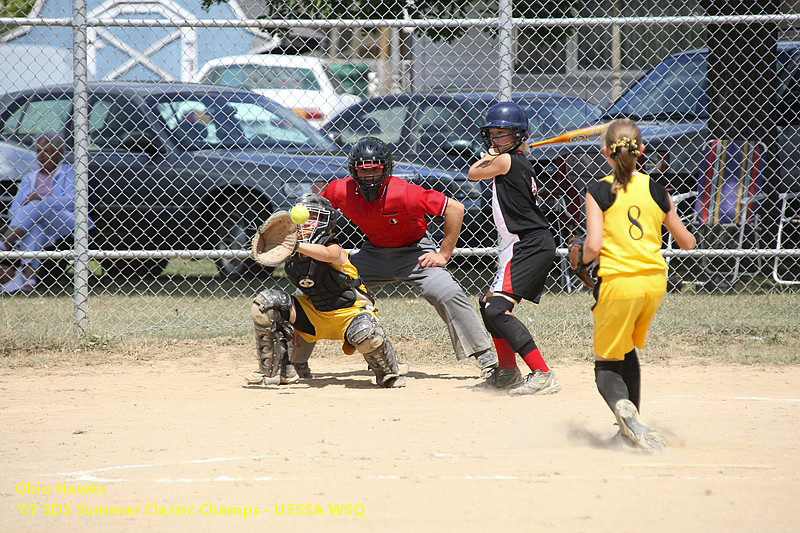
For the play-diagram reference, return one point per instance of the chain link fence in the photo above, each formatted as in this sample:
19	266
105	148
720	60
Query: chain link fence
143	141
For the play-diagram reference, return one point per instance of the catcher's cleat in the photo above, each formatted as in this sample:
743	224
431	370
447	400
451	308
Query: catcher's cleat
486	361
501	378
303	370
289	375
402	368
393	382
642	436
537	382
257	378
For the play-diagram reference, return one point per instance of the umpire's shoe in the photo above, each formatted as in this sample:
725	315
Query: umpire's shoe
303	370
643	436
486	361
501	378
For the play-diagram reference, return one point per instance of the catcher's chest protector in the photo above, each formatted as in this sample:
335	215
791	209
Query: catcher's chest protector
326	287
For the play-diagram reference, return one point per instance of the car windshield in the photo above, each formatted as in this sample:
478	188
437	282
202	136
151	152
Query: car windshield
263	77
217	120
674	90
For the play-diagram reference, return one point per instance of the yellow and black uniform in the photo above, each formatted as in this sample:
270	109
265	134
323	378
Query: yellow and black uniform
632	272
327	299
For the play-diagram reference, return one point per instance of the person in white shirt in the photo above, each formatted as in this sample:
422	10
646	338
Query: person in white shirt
42	211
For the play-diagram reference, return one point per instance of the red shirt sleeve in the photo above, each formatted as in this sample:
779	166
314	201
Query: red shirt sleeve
421	201
330	191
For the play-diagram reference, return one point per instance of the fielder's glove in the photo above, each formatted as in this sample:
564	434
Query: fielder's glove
587	273
275	240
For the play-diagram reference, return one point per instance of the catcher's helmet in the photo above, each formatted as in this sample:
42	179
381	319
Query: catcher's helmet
321	224
370	152
505	115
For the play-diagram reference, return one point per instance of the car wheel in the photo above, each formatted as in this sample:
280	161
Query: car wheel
134	268
235	224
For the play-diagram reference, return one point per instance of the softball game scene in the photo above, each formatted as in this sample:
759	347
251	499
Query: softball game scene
428	265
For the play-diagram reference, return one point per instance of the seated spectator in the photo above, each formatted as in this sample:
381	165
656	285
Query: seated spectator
42	211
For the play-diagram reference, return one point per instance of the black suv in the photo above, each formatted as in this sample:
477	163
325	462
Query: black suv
181	166
669	104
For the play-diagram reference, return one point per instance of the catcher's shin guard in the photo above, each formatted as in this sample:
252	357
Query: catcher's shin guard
270	314
367	336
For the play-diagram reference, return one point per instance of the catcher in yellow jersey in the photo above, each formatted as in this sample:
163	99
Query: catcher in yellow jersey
330	302
624	215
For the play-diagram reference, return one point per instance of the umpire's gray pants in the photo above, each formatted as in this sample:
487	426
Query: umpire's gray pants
378	266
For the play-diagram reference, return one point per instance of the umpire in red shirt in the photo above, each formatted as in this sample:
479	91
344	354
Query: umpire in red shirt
391	213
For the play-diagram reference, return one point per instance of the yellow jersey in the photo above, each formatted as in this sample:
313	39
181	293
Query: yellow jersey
632	220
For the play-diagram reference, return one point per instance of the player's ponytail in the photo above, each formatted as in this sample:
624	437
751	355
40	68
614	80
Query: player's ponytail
622	138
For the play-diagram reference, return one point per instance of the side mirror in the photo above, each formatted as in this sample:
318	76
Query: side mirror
146	141
335	136
459	148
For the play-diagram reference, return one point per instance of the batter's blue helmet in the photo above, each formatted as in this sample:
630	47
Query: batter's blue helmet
505	115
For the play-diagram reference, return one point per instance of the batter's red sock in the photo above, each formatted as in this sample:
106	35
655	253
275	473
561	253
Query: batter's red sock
535	361
506	356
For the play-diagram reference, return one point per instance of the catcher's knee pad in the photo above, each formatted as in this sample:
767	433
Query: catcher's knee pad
270	313
364	333
367	336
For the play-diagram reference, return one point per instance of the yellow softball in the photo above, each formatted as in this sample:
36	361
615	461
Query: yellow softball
299	214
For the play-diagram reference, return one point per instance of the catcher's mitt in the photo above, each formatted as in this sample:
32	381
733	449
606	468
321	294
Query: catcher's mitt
275	240
587	273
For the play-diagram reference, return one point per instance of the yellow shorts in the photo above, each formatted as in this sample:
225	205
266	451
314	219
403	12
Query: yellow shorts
626	304
331	324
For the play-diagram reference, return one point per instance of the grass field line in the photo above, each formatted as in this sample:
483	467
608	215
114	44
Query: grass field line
78	473
738	398
666	476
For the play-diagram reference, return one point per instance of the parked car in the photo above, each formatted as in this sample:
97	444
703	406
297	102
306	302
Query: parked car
669	104
303	84
175	166
442	129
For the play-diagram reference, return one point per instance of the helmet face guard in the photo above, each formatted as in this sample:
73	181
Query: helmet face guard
506	115
321	223
370	153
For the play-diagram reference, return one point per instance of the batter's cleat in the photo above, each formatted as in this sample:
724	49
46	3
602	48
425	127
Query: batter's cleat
501	378
486	361
303	370
642	436
537	382
257	378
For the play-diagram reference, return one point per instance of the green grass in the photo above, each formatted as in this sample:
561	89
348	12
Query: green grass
189	303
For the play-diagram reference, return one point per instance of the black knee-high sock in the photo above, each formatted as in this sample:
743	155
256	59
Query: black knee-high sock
632	375
610	383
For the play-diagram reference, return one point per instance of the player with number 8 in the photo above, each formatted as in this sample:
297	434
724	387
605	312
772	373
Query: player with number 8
624	214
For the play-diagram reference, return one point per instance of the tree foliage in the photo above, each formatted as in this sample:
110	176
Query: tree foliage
419	9
14	8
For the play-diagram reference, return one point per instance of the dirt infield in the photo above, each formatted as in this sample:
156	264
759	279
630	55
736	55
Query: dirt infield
168	445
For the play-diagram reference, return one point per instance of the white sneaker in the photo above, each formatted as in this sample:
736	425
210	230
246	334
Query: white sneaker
18	283
257	378
641	435
537	382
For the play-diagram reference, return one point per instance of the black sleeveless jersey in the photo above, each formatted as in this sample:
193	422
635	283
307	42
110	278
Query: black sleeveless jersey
327	288
515	203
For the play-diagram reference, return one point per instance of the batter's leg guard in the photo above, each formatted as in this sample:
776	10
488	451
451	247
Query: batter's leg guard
367	336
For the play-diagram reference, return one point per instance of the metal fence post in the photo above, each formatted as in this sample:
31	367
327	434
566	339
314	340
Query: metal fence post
505	49
80	103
